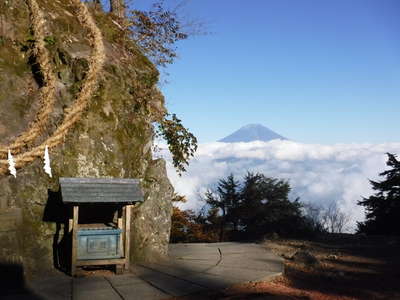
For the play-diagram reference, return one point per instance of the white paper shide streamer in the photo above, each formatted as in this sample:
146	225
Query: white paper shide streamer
47	167
11	164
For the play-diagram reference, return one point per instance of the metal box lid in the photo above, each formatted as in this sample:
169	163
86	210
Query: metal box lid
100	190
99	231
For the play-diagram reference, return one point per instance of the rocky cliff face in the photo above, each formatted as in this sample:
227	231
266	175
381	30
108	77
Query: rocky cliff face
112	137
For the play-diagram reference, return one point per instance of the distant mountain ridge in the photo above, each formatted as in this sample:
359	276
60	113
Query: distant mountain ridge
250	133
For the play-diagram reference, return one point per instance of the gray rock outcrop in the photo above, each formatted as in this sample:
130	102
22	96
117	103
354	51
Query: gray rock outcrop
113	138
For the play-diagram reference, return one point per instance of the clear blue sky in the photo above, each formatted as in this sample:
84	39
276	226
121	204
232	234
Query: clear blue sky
314	71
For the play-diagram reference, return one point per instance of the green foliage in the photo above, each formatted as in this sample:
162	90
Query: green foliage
226	198
266	208
383	208
181	142
50	40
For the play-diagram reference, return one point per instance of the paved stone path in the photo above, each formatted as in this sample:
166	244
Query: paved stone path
191	268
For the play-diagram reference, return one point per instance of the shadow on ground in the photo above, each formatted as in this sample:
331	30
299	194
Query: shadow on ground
364	268
13	284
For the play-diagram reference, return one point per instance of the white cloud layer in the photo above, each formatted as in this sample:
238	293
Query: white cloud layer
318	174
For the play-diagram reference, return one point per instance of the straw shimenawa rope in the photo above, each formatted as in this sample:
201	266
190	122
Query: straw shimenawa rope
96	61
47	92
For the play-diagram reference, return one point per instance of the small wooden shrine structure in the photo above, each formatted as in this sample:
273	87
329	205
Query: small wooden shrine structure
100	218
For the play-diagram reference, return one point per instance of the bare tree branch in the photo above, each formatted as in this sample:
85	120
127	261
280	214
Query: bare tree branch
117	7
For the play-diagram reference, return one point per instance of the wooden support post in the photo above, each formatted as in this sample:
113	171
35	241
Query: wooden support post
70	223
119	269
127	235
121	226
75	216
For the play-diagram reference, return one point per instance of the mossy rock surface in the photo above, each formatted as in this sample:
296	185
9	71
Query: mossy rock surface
112	139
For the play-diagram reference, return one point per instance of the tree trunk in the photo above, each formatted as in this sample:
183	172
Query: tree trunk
222	228
118	8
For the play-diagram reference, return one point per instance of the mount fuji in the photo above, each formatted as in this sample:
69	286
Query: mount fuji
252	132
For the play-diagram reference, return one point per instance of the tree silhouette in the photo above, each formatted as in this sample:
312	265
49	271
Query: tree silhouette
266	208
249	209
383	208
333	220
258	206
226	199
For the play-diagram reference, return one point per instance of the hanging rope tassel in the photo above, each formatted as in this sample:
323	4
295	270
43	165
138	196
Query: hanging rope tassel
11	164
46	166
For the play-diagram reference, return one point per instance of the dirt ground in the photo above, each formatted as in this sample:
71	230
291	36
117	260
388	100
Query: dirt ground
350	267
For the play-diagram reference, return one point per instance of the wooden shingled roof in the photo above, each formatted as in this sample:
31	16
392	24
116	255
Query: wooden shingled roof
100	190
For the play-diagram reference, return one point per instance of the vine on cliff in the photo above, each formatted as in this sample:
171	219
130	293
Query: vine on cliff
156	32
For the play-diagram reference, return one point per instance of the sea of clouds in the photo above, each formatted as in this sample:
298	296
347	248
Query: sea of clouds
318	174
